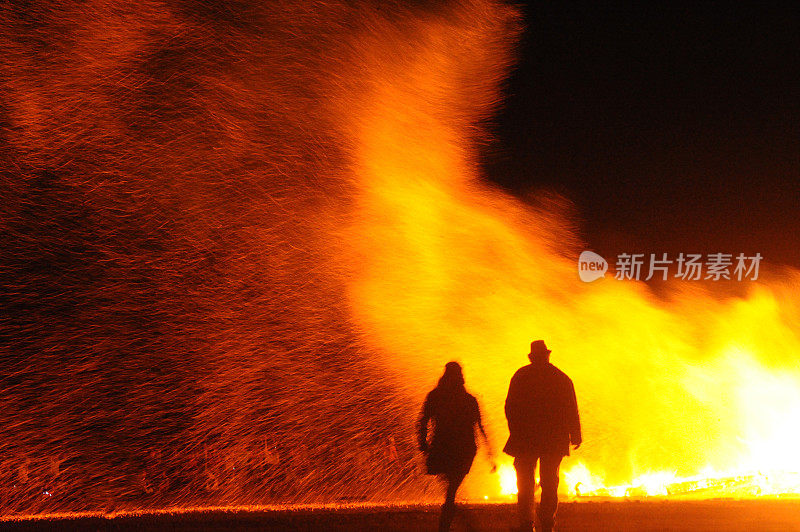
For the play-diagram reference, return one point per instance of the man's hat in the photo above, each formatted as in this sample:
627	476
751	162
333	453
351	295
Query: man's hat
538	347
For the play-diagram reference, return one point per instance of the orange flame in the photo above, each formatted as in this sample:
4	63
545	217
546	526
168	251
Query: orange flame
447	267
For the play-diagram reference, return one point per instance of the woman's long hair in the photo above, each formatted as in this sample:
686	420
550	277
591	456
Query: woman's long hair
452	381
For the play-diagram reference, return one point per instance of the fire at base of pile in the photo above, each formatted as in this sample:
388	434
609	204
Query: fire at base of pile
578	484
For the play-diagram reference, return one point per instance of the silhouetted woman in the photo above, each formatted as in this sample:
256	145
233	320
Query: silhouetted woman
455	414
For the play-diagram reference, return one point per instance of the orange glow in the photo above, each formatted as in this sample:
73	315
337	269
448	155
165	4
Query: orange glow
241	243
448	268
508	479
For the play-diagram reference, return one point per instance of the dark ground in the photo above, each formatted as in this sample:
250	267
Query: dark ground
758	515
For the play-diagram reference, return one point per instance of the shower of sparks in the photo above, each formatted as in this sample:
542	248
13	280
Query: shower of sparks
238	246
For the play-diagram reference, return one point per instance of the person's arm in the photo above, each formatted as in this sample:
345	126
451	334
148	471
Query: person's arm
489	452
422	426
511	406
575	436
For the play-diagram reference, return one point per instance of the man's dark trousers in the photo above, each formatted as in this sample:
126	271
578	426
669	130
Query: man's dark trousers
548	478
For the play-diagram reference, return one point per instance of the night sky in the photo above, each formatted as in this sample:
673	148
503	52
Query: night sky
671	130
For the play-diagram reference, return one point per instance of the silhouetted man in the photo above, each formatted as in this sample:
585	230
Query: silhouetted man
543	420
